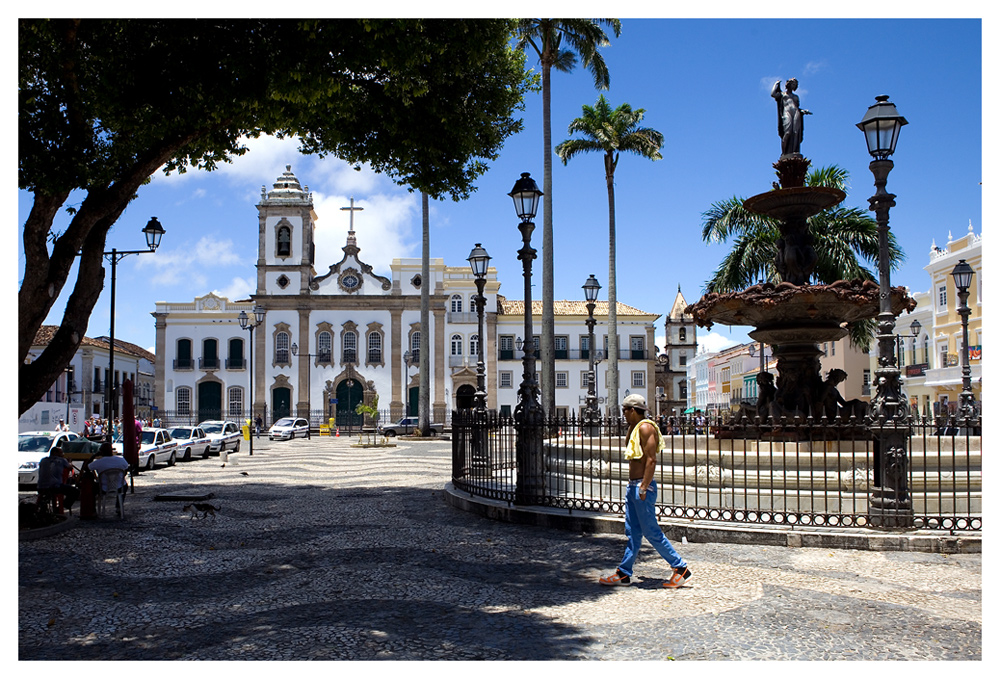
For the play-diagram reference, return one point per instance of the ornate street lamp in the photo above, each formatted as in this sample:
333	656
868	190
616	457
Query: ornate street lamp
154	233
308	400
889	504
591	418
528	413
962	273
480	261
247	324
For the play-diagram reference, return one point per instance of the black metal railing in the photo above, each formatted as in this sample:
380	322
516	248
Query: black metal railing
809	473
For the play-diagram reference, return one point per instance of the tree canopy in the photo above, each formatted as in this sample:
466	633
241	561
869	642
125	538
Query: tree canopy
104	104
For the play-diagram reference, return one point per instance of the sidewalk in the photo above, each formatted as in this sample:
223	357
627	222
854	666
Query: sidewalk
323	551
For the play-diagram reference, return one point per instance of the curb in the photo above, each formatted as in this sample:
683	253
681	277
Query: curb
37	533
718	531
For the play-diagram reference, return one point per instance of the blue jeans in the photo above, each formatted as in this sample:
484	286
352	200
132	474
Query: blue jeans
640	521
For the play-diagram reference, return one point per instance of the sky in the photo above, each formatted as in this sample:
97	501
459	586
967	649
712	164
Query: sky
704	83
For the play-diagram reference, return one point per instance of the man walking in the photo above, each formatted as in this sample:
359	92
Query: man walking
644	444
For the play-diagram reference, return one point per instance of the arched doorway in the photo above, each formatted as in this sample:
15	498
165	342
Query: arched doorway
209	401
465	397
349	394
413	404
281	403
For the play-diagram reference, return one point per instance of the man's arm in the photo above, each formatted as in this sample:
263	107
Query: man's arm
648	440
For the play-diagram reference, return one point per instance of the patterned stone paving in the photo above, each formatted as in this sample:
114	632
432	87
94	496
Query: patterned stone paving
323	551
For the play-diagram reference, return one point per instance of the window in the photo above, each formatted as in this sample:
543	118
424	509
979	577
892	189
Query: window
927	351
183	360
682	359
456	304
324	346
682	334
456	345
235	360
866	383
585	379
942	298
585	346
284	248
236	402
682	388
833	348
375	347
281	349
474	345
562	379
183	401
638	378
638	347
562	346
209	355
506	347
350	347
415	347
506	379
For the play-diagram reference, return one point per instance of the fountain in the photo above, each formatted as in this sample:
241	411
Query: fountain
794	316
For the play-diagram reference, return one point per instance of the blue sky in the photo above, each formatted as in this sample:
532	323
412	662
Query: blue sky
705	85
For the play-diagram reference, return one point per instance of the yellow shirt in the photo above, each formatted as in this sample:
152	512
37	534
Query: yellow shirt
633	450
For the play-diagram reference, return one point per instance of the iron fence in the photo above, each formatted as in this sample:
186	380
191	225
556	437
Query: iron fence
808	473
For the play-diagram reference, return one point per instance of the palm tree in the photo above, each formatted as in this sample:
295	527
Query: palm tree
557	42
845	240
611	131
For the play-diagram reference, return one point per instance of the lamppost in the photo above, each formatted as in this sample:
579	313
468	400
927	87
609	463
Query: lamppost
889	504
408	362
480	261
528	413
246	324
591	423
154	232
308	357
962	273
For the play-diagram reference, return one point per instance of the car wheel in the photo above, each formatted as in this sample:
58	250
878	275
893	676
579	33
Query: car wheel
150	461
390	433
237	448
173	460
207	452
433	432
187	455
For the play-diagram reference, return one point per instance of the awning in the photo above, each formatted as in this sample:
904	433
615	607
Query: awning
692	410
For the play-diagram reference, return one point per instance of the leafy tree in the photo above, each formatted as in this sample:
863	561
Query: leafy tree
845	240
103	104
557	43
611	132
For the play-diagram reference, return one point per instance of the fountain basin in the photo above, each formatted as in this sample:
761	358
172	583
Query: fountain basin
797	202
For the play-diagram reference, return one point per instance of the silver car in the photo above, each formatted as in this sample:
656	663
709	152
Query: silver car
191	441
156	446
225	435
288	428
32	446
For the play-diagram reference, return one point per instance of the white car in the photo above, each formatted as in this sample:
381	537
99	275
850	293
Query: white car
224	435
288	428
156	446
191	441
32	446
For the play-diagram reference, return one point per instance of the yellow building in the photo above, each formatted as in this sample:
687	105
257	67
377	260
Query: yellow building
932	357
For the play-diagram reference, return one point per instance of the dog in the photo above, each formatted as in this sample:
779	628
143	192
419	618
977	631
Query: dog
202	507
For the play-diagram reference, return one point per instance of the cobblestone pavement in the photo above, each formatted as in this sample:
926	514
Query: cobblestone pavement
323	551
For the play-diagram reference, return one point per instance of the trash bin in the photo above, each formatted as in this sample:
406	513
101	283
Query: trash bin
246	431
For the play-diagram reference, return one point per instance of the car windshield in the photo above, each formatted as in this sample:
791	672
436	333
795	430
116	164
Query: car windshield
212	428
180	433
148	437
284	422
30	443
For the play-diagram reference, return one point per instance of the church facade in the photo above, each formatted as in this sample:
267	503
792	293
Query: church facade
333	339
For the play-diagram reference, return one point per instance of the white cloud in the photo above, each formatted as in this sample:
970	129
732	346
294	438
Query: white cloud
383	228
184	264
713	341
238	288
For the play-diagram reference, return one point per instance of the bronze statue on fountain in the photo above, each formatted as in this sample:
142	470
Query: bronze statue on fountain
793	316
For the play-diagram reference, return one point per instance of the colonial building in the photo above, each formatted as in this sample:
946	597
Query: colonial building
83	389
333	339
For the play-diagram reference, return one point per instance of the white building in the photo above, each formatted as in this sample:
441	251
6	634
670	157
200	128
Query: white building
351	328
81	391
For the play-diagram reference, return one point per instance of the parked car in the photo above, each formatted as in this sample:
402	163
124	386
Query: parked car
224	434
156	446
191	441
32	446
288	428
408	425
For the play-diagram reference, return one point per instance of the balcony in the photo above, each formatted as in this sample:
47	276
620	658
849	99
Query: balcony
235	364
211	363
183	364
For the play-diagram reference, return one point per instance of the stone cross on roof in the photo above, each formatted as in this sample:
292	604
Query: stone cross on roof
351	240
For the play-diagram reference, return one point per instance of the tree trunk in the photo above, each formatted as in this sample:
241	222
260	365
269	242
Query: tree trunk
548	372
424	400
612	294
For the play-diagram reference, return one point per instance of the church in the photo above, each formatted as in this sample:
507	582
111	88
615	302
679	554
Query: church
330	340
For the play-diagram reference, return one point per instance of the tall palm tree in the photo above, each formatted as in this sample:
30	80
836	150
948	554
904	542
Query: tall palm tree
611	131
557	43
845	240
